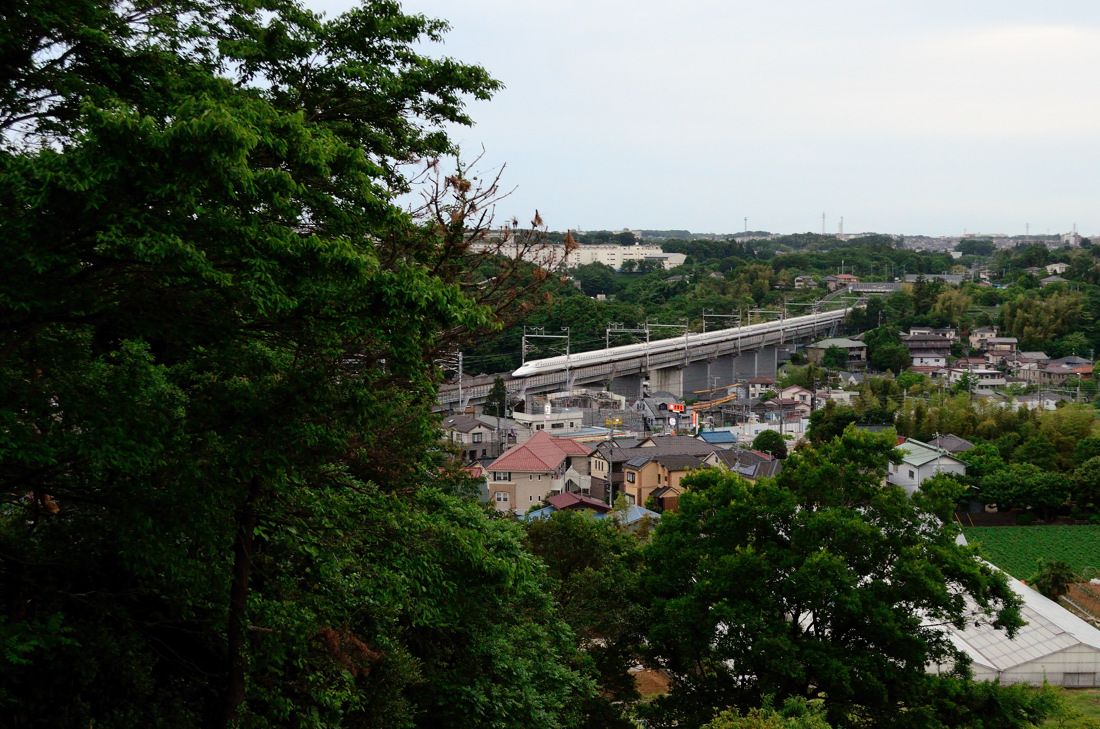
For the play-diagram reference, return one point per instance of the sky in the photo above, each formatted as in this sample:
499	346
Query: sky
920	118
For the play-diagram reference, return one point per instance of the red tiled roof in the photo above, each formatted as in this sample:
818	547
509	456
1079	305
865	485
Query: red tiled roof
568	501
541	453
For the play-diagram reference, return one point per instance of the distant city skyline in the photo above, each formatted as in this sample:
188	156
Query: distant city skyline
931	118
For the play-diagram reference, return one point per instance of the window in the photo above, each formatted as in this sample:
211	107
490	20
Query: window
630	476
557	425
539	426
477	437
502	476
911	474
502	497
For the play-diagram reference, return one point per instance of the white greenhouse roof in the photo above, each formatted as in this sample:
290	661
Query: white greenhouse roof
1050	628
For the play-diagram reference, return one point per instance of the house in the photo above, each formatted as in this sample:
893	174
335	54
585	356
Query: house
839	281
1057	269
999	349
1044	282
928	350
658	475
536	469
759	385
857	351
979	336
805	282
799	394
550	419
570	503
982	382
475	438
921	461
950	333
658	408
749	464
616	454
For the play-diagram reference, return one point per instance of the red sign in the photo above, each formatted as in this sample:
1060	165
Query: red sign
676	408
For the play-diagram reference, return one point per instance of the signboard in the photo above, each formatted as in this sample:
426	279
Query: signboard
676	407
672	423
546	409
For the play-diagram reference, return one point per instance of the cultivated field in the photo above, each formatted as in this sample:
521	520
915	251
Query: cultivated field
1017	549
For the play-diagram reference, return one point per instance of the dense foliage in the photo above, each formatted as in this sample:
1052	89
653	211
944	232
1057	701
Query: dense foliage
223	502
823	581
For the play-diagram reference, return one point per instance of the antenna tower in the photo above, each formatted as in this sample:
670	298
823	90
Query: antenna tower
840	230
822	223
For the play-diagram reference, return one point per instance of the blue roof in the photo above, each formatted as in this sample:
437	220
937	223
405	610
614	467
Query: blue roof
718	436
632	514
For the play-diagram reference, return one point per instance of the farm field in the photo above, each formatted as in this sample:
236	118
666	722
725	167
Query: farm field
1084	711
1016	549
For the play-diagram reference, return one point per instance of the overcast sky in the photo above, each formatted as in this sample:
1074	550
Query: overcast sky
931	117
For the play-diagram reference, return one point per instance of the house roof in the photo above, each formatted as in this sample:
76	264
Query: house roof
748	463
718	436
462	423
542	452
916	453
762	381
577	501
837	342
634	513
952	443
668	461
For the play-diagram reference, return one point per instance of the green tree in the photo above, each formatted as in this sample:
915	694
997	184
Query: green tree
216	380
1023	485
835	358
1086	482
496	402
1053	577
855	570
593	567
595	278
770	441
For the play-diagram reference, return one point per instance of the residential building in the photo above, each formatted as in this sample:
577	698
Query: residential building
857	351
748	464
928	350
949	333
921	461
999	349
981	335
839	281
1049	280
805	282
1057	269
799	394
548	418
647	474
532	471
759	385
476	439
982	382
658	408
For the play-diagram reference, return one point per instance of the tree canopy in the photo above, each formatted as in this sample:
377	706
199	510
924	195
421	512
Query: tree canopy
823	581
224	501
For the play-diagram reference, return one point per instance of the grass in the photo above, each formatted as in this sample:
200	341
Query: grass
1017	549
1083	711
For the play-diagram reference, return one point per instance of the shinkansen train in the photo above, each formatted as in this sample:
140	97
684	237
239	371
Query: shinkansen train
749	336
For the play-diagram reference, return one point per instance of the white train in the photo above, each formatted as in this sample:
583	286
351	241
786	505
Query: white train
748	336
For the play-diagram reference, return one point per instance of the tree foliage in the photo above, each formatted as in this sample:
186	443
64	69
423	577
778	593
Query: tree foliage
216	375
854	570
